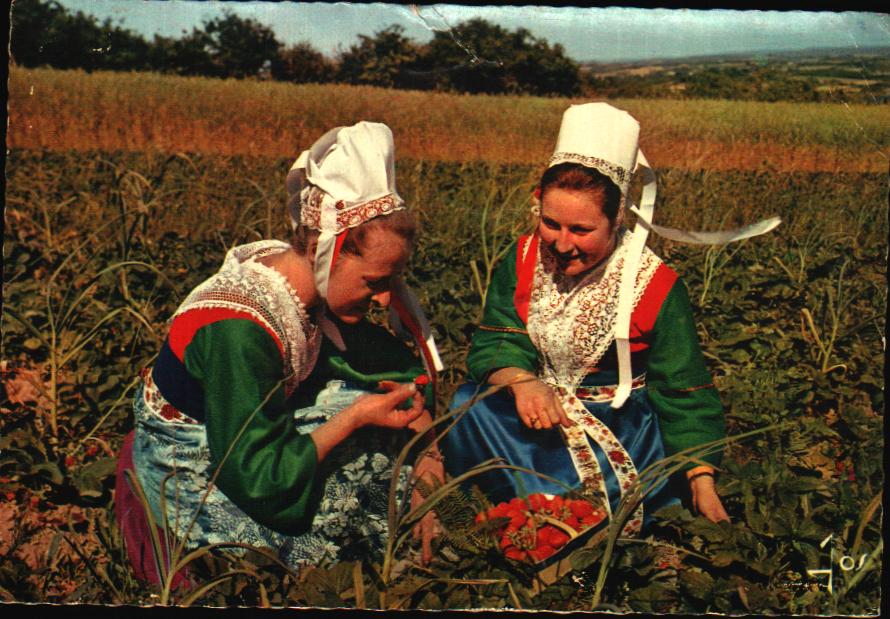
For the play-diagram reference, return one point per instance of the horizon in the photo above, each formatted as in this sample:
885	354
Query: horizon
588	35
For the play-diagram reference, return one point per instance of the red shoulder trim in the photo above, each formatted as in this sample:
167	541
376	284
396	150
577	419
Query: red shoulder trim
187	324
525	272
642	321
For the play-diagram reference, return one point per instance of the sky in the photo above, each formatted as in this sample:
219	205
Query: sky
588	34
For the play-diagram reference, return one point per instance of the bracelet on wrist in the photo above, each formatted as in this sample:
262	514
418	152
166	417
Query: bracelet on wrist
701	474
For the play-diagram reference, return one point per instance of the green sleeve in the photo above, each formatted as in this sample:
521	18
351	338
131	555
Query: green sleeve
502	338
372	354
270	471
680	386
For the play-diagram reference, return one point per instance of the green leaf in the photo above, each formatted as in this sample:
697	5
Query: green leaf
89	479
711	531
32	343
725	557
585	557
698	584
651	598
50	470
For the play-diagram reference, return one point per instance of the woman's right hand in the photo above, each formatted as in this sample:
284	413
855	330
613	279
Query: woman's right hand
382	409
537	405
368	410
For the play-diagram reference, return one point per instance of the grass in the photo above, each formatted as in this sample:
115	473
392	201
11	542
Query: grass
138	112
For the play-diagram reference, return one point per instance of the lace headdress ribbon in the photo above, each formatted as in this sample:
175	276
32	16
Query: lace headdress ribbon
605	138
347	177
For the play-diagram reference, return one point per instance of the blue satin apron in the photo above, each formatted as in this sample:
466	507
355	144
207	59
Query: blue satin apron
492	428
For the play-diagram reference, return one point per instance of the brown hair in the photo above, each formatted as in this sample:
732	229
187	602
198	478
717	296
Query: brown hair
576	177
401	223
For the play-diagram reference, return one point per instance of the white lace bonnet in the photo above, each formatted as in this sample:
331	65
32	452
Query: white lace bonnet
605	138
347	177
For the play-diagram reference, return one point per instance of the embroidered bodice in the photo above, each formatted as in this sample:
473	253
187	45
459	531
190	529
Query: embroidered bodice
571	319
245	284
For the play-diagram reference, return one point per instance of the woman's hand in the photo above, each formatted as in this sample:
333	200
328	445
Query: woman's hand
368	410
381	409
431	471
705	499
537	405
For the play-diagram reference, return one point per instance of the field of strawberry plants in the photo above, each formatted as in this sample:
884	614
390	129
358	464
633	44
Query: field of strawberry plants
99	249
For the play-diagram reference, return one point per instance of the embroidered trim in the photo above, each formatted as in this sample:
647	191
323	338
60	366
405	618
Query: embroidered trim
347	217
586	464
244	284
503	329
526	245
620	175
158	406
605	393
572	319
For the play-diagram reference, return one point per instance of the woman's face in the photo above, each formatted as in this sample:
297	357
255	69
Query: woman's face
574	229
357	281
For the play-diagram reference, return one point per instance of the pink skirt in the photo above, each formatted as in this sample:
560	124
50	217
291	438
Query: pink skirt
134	526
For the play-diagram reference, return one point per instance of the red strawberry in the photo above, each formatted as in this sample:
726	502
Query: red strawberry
499	511
422	380
518	503
557	538
580	508
541	552
536	502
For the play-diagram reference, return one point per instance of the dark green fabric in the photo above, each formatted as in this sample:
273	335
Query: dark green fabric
689	413
492	346
372	354
675	370
270	471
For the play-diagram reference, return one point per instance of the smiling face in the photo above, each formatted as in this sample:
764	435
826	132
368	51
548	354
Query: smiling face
366	277
575	229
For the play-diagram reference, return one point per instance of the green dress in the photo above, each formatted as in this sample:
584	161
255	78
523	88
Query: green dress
241	381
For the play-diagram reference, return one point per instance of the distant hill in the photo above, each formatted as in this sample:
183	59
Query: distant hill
859	75
811	53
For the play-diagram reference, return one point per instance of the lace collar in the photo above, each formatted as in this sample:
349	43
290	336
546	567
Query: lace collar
572	318
245	284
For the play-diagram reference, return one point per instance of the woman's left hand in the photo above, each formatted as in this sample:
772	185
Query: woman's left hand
430	470
705	499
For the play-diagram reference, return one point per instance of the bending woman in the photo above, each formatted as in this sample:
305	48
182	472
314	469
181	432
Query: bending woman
549	335
217	432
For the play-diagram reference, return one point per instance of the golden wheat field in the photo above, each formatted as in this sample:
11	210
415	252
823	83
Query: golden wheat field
61	110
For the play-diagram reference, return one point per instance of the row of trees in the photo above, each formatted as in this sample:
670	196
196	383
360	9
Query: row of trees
476	56
488	59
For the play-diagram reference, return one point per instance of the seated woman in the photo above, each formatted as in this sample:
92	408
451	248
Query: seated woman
235	433
587	401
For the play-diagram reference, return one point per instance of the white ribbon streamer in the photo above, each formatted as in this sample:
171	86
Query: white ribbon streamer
626	292
401	289
707	238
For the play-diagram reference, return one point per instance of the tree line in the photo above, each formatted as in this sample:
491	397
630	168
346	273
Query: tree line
488	58
475	57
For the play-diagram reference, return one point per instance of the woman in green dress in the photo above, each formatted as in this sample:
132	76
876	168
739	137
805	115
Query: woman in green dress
274	411
592	336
